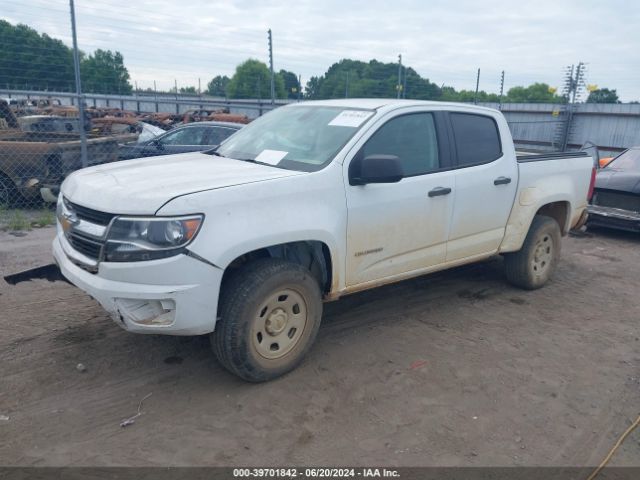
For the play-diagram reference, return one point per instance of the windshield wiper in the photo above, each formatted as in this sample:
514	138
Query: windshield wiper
214	152
250	160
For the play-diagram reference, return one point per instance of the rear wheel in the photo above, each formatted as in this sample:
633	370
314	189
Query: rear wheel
270	313
535	263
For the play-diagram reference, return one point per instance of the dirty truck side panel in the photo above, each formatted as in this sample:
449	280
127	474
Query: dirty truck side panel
484	198
245	218
545	182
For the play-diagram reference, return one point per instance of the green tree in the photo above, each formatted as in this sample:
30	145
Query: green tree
291	84
354	78
32	61
450	94
252	79
312	89
535	93
189	90
603	95
104	72
217	87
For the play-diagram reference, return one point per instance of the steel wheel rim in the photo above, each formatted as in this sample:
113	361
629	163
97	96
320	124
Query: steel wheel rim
279	323
542	254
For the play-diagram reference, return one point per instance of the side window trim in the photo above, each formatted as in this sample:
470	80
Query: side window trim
446	147
456	161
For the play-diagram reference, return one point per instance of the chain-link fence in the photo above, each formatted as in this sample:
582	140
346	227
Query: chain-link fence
44	135
41	141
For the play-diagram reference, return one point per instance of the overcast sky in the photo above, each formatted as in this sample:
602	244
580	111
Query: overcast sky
445	41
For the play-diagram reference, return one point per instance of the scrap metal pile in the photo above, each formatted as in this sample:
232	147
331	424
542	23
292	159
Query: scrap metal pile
40	142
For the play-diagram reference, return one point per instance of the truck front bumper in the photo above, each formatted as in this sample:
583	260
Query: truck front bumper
172	296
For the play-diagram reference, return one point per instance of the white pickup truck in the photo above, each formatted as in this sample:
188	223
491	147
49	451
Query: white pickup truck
310	202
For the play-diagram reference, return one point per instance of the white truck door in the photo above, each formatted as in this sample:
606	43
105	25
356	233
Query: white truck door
486	178
398	228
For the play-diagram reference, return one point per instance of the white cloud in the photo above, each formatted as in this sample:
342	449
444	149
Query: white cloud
445	41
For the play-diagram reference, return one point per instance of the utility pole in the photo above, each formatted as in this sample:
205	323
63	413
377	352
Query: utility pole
399	75
346	86
273	83
76	65
475	98
577	81
404	83
155	93
199	86
175	82
501	90
299	86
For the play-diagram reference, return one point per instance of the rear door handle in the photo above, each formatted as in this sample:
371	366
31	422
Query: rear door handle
502	181
439	191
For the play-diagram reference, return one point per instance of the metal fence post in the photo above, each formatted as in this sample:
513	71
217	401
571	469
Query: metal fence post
76	65
273	87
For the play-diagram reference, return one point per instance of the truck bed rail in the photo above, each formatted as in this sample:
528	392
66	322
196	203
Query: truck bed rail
550	156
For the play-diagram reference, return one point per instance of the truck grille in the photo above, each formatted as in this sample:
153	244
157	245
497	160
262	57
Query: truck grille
90	215
86	246
623	201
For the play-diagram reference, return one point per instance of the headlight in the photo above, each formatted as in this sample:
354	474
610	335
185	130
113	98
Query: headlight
135	239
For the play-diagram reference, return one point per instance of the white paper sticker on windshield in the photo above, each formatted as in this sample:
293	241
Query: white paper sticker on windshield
350	118
272	157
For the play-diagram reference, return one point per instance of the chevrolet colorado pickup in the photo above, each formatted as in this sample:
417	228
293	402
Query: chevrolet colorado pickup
310	202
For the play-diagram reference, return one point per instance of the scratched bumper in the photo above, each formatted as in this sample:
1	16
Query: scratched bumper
172	296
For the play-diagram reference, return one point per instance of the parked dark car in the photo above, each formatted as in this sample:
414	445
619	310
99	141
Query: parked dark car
616	198
192	137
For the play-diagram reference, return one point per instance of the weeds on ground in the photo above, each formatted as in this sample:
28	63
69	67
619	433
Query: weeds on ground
17	221
44	219
20	220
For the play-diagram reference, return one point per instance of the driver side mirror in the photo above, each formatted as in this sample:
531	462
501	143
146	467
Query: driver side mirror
375	169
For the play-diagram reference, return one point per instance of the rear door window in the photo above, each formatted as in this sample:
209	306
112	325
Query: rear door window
477	139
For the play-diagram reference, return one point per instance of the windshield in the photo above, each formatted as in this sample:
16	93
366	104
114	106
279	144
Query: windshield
629	160
302	138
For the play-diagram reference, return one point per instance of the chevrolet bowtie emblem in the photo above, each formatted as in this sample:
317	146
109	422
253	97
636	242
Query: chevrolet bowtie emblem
67	221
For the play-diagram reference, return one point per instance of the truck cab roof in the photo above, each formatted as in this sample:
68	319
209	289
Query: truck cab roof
386	103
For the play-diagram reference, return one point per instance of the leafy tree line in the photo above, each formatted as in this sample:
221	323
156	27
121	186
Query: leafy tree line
29	60
252	79
354	78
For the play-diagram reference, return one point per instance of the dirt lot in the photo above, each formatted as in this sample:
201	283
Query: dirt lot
455	369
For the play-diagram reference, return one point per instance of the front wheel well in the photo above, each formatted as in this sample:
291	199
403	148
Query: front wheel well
311	254
559	211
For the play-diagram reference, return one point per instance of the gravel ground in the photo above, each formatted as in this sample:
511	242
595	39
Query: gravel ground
452	369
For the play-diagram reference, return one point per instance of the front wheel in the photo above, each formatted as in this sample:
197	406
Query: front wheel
270	313
535	263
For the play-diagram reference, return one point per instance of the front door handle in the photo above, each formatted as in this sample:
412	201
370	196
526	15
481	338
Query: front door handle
502	181
438	191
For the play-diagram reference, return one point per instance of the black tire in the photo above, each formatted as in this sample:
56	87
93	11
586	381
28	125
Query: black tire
533	266
261	334
8	192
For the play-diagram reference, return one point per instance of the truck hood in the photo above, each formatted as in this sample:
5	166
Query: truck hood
143	186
